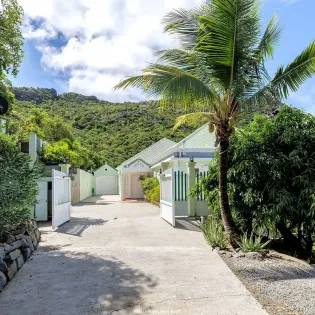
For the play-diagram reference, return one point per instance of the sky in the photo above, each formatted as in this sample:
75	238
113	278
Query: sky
88	46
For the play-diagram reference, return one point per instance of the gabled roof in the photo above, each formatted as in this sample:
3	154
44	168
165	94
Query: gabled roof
199	139
149	154
106	165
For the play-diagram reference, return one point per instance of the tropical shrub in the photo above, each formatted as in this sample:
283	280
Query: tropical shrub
253	243
151	188
272	178
213	232
18	188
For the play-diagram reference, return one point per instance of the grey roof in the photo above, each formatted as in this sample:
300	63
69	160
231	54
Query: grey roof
199	139
151	153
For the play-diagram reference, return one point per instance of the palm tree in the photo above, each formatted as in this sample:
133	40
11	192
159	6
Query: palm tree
219	72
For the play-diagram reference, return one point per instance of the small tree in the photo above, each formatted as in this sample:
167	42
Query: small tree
18	187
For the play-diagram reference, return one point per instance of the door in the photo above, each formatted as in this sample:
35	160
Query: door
106	185
136	188
61	198
41	207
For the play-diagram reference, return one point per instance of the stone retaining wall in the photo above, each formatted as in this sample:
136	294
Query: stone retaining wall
16	250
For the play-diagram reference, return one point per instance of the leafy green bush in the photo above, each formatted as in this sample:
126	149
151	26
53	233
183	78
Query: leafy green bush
272	178
151	188
252	243
154	194
72	153
213	233
18	187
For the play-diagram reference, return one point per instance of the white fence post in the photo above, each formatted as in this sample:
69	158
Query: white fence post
191	183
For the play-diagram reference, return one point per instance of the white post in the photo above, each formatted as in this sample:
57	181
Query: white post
122	179
64	168
191	183
33	147
3	128
173	196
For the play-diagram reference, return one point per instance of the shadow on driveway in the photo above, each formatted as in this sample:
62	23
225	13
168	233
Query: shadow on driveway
75	283
76	226
186	224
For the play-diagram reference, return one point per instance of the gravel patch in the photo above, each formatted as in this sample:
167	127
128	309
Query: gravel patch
281	286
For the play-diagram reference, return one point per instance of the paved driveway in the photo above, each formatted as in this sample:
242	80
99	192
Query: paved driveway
121	258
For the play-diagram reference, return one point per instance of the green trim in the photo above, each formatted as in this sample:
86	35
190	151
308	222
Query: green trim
197	176
175	190
182	186
185	187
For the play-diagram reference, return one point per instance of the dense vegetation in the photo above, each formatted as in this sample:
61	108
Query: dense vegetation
151	189
111	132
272	179
18	188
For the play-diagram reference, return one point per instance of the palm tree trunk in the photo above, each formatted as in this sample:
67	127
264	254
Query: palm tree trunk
225	210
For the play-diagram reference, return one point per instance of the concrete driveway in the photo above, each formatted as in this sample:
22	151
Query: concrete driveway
122	258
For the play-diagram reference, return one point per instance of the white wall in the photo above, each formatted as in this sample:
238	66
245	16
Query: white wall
86	184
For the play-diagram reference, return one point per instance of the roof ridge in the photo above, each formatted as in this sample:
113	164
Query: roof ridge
190	135
138	155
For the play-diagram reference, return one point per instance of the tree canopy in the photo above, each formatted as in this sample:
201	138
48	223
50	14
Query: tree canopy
11	40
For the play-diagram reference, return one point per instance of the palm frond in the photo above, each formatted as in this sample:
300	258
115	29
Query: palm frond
269	39
192	120
173	86
176	57
296	73
230	31
286	79
190	61
184	25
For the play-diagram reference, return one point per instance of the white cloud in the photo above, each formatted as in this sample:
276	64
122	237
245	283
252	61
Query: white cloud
106	40
304	98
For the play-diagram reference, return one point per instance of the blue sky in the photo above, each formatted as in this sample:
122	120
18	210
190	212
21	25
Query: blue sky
88	46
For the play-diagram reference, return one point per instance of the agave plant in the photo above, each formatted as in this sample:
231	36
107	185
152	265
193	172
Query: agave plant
219	72
252	243
213	233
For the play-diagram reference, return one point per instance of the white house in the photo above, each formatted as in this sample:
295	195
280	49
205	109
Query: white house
198	148
140	164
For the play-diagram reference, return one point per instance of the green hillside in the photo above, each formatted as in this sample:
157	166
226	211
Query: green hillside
113	131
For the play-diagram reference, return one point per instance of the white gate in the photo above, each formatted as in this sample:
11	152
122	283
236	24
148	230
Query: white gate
61	198
41	208
167	209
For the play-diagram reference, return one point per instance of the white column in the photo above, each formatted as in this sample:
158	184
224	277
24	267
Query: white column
32	147
65	168
191	183
3	128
